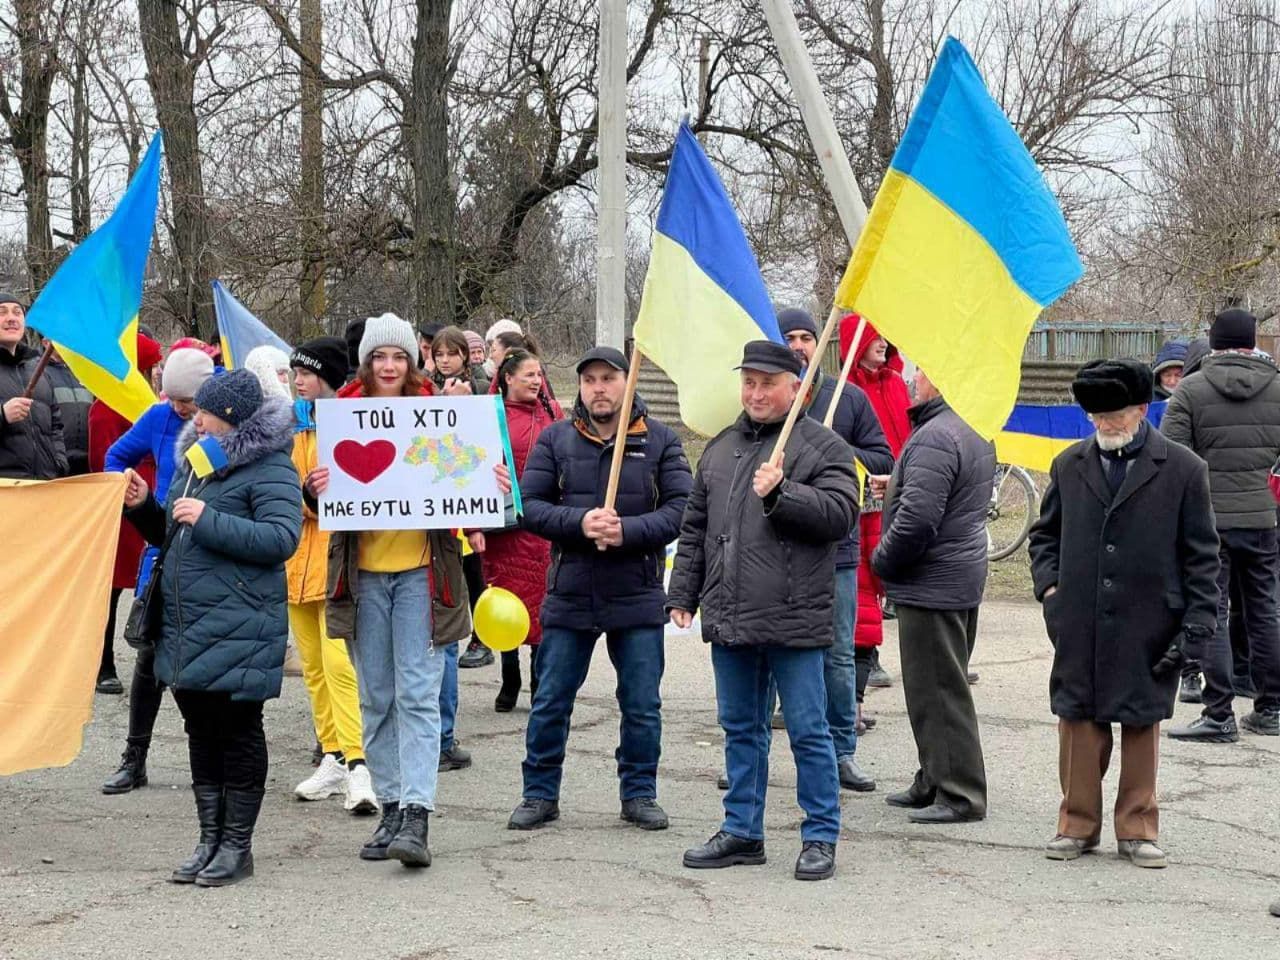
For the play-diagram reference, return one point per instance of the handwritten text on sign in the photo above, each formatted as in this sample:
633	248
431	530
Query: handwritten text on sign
409	463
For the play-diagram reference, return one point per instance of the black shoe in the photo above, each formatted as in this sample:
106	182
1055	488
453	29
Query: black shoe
1190	691
972	676
455	758
410	845
910	799
645	813
533	813
234	860
852	777
725	850
317	755
878	676
132	773
476	655
209	813
1207	730
388	827
941	813
109	683
722	782
1265	723
817	861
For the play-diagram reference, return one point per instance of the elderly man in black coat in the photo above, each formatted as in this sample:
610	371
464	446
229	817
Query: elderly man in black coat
1124	558
932	559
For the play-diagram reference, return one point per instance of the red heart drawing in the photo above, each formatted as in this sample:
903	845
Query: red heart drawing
364	461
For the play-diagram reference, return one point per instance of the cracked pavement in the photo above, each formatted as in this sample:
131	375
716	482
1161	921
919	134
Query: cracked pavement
85	875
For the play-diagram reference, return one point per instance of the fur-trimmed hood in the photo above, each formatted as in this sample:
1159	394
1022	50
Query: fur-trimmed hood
269	430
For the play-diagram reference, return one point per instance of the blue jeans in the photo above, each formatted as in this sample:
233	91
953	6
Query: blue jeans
638	656
840	670
448	697
399	674
742	688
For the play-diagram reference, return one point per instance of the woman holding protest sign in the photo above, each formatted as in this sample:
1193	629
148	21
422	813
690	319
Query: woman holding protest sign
399	600
513	557
233	518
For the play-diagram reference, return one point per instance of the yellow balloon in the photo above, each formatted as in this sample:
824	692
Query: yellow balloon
501	619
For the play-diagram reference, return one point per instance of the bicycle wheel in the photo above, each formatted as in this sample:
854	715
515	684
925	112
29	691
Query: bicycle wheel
1012	511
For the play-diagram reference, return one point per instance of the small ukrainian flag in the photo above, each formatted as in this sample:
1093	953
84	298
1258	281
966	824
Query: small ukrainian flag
206	456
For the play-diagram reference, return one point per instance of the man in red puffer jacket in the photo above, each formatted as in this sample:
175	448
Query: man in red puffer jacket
878	371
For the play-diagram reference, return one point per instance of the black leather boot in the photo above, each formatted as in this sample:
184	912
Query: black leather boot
209	812
234	860
376	848
132	773
410	845
506	700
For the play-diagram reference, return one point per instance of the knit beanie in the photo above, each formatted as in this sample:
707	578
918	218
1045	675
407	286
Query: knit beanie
474	339
502	326
387	330
266	363
326	357
185	372
233	397
793	318
149	352
10	298
1233	329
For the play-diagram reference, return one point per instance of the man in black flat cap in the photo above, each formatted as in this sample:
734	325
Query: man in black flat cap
1124	559
757	554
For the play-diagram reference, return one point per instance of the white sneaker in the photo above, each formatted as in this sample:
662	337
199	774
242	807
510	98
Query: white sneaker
329	779
360	796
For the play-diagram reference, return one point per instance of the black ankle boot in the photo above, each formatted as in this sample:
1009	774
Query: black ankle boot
388	827
234	860
209	812
506	699
132	773
410	845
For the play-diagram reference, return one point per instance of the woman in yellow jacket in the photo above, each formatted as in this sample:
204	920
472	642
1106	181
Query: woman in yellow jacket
319	369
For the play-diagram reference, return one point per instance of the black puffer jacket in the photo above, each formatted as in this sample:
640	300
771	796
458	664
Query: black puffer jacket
857	425
73	402
33	448
763	571
567	475
1229	414
933	552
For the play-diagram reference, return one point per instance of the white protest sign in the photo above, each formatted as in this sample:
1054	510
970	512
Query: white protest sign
409	463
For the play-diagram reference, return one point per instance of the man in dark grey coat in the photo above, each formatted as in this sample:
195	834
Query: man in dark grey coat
1229	414
1124	558
757	553
932	558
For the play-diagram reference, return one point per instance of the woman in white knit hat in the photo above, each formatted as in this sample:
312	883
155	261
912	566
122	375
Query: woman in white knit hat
271	366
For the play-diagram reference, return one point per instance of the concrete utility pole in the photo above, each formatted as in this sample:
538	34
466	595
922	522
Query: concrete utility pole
611	242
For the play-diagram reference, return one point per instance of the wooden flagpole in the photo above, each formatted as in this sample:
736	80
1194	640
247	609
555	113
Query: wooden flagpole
39	371
624	421
830	418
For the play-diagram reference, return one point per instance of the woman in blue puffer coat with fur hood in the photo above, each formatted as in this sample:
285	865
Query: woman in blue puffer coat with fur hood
221	644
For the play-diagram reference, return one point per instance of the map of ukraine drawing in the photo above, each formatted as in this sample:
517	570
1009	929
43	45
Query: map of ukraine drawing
450	456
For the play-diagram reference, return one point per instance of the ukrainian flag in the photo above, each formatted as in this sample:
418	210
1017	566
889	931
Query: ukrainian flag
703	295
965	245
89	308
1034	435
239	329
206	456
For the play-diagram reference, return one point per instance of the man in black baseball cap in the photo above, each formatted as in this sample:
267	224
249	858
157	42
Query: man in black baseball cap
757	555
608	579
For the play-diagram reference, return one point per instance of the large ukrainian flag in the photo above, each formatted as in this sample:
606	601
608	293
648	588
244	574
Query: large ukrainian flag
1034	435
89	307
965	245
703	295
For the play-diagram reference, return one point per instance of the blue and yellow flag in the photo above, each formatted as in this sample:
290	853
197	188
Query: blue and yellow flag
206	456
964	246
239	329
703	295
1034	435
89	307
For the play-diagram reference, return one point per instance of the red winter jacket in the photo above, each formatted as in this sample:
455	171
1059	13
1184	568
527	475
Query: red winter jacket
888	394
517	559
105	428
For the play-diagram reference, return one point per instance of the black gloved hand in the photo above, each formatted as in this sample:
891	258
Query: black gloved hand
1170	661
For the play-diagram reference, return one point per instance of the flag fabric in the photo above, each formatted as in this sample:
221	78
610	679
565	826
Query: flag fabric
206	456
1034	435
60	548
89	307
964	246
703	295
239	329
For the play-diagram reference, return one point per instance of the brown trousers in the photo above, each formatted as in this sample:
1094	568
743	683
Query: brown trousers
1084	753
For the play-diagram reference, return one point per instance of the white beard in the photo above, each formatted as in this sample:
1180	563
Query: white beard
1111	442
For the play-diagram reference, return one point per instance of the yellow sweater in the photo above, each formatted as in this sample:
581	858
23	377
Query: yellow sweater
393	551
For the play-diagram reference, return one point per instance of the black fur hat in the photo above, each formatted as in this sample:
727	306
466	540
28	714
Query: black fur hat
1104	386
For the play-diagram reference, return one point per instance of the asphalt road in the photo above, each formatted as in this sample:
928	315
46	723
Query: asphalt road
85	875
